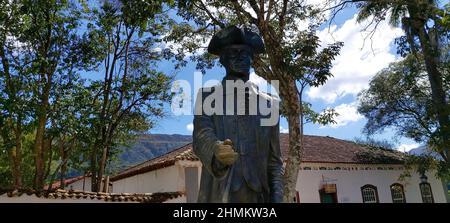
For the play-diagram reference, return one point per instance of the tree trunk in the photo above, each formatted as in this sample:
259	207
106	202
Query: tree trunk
16	152
93	168
102	166
291	103
48	147
15	170
39	144
63	169
39	154
431	56
17	158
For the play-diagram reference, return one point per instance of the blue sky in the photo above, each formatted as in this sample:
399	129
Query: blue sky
359	60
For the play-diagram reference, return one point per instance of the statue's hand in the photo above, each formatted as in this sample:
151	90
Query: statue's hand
225	154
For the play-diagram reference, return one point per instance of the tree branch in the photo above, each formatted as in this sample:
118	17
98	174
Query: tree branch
239	10
210	15
282	16
269	10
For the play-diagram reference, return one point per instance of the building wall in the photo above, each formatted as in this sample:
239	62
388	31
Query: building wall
351	178
168	179
78	185
162	180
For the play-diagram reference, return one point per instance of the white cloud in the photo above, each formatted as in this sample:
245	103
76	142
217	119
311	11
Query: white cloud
407	147
284	130
359	60
190	127
347	113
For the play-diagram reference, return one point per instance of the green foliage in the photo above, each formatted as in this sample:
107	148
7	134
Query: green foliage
304	62
444	16
400	96
375	144
130	97
292	53
419	164
326	117
44	47
421	111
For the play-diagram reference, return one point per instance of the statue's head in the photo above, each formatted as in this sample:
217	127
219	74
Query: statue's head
236	48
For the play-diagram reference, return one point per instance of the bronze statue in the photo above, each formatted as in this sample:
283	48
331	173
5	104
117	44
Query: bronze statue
241	159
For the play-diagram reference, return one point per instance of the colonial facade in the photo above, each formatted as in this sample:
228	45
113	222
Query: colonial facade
332	171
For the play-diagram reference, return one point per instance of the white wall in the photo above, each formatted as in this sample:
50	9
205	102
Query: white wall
168	179
350	181
78	185
161	180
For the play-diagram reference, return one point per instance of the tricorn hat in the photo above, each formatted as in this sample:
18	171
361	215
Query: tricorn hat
234	35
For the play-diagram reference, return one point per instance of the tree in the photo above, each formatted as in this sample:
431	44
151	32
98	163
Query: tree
292	55
426	33
41	52
13	110
49	114
132	91
56	51
399	96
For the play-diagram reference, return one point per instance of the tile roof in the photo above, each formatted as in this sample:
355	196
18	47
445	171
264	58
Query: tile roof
67	181
325	149
317	149
168	159
107	197
57	184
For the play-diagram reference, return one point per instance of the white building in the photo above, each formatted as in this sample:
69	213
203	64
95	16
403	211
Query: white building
81	183
332	170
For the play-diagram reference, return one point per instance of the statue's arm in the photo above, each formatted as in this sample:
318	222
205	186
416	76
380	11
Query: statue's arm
275	167
205	143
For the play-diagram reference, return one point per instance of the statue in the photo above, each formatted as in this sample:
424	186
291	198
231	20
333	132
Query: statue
241	159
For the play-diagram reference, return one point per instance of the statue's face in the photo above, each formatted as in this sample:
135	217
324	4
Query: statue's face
237	59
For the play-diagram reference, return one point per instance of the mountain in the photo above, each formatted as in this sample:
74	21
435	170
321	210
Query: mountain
146	147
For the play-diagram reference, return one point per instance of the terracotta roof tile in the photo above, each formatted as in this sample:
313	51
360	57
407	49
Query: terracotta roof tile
317	149
67	181
107	197
168	159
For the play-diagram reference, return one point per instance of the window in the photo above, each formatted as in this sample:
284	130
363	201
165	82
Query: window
427	194
398	194
369	194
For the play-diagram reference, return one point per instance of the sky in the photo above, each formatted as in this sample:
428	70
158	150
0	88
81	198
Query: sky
359	60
